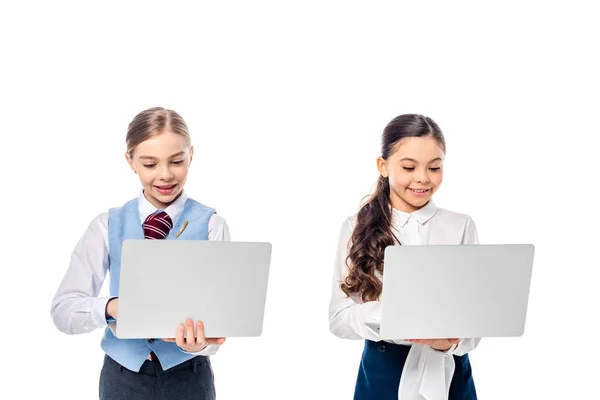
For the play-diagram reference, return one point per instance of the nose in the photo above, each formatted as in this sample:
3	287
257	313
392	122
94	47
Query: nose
165	173
422	176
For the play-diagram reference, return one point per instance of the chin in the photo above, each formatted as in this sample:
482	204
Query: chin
419	203
164	198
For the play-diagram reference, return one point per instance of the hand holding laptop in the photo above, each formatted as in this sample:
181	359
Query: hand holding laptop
437	344
191	343
112	307
196	342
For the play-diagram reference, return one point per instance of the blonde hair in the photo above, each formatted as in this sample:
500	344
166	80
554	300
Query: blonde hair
154	121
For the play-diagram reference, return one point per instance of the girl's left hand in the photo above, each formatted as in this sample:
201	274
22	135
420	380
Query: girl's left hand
437	344
193	343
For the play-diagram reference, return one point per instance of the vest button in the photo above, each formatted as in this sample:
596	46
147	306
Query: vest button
150	340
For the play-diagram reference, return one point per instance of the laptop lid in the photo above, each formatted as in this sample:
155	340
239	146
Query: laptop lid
455	291
164	282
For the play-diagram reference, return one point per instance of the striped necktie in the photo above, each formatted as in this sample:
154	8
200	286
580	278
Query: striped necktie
157	225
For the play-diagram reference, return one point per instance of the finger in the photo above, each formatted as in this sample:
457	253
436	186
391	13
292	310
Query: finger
200	338
453	341
170	340
179	335
215	340
116	301
190	339
427	342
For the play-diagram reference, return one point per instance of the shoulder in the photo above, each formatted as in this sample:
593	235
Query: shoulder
198	205
114	209
102	220
217	220
217	228
454	219
117	212
346	229
349	222
97	228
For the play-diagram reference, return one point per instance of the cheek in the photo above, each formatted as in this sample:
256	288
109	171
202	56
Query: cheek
145	176
400	180
181	173
437	179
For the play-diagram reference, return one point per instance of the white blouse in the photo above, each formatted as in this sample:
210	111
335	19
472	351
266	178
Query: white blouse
427	372
76	307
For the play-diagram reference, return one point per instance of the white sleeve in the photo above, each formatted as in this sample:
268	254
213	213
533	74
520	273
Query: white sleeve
75	306
218	229
470	235
347	318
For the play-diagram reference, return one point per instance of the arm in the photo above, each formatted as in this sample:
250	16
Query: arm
348	319
75	307
217	230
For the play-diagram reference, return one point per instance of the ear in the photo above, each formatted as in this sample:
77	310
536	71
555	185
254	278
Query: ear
130	162
191	154
382	167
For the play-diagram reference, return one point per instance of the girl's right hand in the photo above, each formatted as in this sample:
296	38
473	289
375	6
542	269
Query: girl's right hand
437	344
112	307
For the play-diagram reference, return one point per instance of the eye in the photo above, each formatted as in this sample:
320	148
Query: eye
177	162
149	165
409	168
434	168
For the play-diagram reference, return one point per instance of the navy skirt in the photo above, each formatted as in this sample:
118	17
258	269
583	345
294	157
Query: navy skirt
381	367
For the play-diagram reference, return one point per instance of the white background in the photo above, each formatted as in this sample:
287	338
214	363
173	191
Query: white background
286	103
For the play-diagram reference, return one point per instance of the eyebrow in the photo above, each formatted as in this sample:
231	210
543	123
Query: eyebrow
415	161
154	158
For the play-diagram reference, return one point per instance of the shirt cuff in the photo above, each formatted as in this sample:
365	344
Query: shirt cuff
371	320
99	316
209	350
449	351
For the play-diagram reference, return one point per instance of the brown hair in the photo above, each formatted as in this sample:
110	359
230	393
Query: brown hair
151	122
373	233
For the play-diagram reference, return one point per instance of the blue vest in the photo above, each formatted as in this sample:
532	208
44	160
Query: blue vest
124	223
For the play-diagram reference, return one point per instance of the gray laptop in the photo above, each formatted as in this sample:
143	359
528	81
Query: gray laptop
163	282
455	291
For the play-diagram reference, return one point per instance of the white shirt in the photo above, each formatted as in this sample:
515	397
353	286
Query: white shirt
76	307
427	372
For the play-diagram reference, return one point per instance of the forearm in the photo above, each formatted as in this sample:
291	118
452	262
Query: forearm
355	321
75	314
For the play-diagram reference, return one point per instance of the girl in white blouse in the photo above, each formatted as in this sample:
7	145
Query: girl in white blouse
401	211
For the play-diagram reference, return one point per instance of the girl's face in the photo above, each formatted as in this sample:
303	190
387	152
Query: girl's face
162	163
414	170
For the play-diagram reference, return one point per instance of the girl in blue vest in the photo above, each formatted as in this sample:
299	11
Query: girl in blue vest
401	211
159	151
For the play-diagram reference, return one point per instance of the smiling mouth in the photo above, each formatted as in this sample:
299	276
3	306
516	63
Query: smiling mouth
419	191
165	189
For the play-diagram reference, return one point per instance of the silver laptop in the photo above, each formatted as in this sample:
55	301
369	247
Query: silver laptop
164	282
455	291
